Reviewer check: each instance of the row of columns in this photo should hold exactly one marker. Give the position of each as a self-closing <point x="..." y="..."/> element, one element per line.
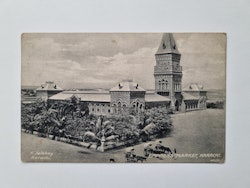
<point x="191" y="105"/>
<point x="177" y="87"/>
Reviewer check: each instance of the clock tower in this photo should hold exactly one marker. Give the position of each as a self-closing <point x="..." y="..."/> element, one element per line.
<point x="168" y="72"/>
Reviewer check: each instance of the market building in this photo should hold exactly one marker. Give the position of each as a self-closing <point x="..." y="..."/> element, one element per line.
<point x="194" y="97"/>
<point x="123" y="97"/>
<point x="45" y="91"/>
<point x="168" y="78"/>
<point x="168" y="72"/>
<point x="128" y="95"/>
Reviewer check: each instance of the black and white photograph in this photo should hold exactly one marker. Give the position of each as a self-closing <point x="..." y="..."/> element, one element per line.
<point x="124" y="94"/>
<point x="123" y="97"/>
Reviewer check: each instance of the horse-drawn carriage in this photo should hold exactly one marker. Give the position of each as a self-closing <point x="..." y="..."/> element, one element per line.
<point x="158" y="149"/>
<point x="131" y="157"/>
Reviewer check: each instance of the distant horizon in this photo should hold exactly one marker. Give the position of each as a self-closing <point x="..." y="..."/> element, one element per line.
<point x="205" y="89"/>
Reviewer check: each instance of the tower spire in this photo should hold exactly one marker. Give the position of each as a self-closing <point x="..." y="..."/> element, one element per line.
<point x="167" y="71"/>
<point x="167" y="45"/>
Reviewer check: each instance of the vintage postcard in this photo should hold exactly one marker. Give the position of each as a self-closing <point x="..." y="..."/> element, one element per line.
<point x="123" y="97"/>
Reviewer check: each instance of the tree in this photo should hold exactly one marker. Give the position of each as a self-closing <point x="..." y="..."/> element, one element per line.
<point x="159" y="120"/>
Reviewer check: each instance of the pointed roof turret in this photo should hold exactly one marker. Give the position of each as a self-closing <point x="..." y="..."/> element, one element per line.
<point x="49" y="86"/>
<point x="167" y="45"/>
<point x="127" y="85"/>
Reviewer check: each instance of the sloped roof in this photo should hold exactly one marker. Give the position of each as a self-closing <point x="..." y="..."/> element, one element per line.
<point x="49" y="86"/>
<point x="103" y="96"/>
<point x="153" y="97"/>
<point x="167" y="45"/>
<point x="29" y="87"/>
<point x="194" y="87"/>
<point x="127" y="85"/>
<point x="84" y="96"/>
<point x="187" y="96"/>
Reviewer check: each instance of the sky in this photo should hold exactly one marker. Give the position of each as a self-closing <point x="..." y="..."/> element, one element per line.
<point x="98" y="60"/>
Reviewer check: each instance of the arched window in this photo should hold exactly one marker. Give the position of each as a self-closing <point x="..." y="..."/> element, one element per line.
<point x="163" y="85"/>
<point x="141" y="106"/>
<point x="124" y="108"/>
<point x="119" y="107"/>
<point x="137" y="104"/>
<point x="115" y="109"/>
<point x="134" y="107"/>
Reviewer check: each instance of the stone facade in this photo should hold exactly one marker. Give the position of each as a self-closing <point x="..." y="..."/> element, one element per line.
<point x="99" y="108"/>
<point x="127" y="95"/>
<point x="194" y="97"/>
<point x="168" y="72"/>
